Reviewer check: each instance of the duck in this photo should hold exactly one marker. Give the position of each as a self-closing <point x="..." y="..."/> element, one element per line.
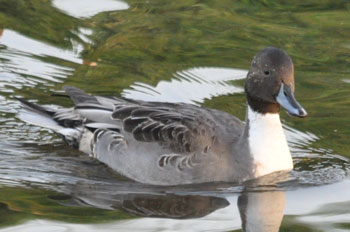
<point x="161" y="143"/>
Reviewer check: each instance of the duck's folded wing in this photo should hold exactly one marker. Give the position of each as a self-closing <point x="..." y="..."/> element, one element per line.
<point x="181" y="127"/>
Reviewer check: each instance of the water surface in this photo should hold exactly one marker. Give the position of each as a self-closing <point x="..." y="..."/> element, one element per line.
<point x="196" y="52"/>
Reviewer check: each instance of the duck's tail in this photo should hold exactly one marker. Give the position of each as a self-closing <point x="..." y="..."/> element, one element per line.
<point x="76" y="125"/>
<point x="59" y="118"/>
<point x="38" y="115"/>
<point x="45" y="117"/>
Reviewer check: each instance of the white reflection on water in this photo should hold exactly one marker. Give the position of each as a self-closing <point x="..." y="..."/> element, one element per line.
<point x="22" y="61"/>
<point x="17" y="42"/>
<point x="189" y="86"/>
<point x="326" y="206"/>
<point x="299" y="140"/>
<point x="24" y="64"/>
<point x="88" y="8"/>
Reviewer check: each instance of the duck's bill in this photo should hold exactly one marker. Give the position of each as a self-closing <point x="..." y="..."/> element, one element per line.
<point x="287" y="100"/>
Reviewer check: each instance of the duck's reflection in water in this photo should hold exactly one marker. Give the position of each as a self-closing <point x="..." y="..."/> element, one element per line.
<point x="172" y="206"/>
<point x="261" y="211"/>
<point x="141" y="202"/>
<point x="258" y="210"/>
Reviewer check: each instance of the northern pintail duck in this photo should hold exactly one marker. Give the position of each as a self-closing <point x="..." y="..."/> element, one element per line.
<point x="176" y="143"/>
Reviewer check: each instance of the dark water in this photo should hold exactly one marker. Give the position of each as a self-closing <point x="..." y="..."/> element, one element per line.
<point x="189" y="51"/>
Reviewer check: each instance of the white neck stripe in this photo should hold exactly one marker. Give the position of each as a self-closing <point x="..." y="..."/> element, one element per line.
<point x="267" y="143"/>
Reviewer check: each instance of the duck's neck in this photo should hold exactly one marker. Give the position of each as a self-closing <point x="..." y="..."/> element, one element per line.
<point x="267" y="143"/>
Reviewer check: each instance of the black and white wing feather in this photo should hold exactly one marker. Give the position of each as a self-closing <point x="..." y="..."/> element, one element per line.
<point x="169" y="124"/>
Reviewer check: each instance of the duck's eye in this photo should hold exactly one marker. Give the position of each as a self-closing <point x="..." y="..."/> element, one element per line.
<point x="267" y="72"/>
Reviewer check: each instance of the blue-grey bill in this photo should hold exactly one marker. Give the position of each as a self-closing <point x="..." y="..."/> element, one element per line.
<point x="287" y="100"/>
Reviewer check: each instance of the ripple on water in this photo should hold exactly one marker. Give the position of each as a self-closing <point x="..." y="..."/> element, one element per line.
<point x="320" y="169"/>
<point x="17" y="42"/>
<point x="23" y="62"/>
<point x="196" y="85"/>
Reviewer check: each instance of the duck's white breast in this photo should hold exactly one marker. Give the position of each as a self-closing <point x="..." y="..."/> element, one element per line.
<point x="267" y="143"/>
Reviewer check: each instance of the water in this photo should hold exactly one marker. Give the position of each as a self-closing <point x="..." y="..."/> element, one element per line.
<point x="182" y="51"/>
